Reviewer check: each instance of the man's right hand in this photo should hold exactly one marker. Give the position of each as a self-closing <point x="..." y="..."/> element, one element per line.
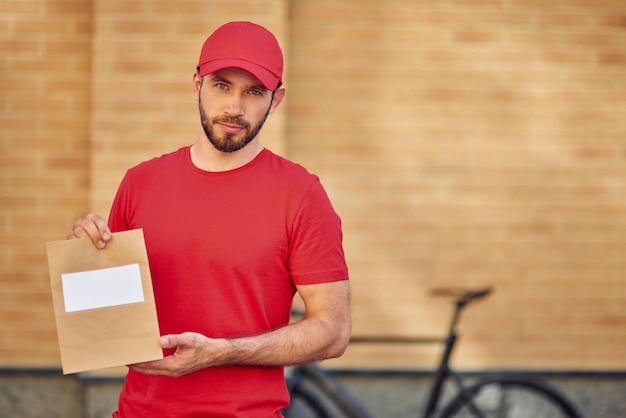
<point x="92" y="226"/>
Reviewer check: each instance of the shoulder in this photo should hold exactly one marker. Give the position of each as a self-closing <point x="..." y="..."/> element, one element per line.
<point x="157" y="164"/>
<point x="286" y="169"/>
<point x="283" y="177"/>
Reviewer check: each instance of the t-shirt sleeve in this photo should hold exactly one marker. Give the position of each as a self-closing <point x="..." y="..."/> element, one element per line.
<point x="316" y="252"/>
<point x="118" y="217"/>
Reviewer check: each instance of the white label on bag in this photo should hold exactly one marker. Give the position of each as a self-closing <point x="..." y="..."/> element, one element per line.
<point x="101" y="288"/>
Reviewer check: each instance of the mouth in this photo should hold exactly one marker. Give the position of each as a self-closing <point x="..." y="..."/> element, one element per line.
<point x="230" y="128"/>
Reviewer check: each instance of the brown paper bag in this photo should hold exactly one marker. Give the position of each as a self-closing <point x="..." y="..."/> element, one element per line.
<point x="110" y="330"/>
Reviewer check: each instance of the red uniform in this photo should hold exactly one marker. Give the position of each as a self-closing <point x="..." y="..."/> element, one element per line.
<point x="225" y="250"/>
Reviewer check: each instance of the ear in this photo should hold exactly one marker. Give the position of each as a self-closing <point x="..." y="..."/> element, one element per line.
<point x="196" y="82"/>
<point x="279" y="95"/>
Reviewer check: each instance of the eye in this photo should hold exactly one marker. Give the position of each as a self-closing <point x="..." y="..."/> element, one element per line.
<point x="221" y="86"/>
<point x="256" y="92"/>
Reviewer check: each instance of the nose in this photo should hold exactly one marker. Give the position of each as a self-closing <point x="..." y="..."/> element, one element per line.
<point x="234" y="106"/>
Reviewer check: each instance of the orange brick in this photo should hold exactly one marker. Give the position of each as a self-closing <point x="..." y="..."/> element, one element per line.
<point x="615" y="58"/>
<point x="19" y="47"/>
<point x="477" y="36"/>
<point x="613" y="20"/>
<point x="143" y="26"/>
<point x="37" y="26"/>
<point x="124" y="7"/>
<point x="67" y="7"/>
<point x="66" y="46"/>
<point x="20" y="7"/>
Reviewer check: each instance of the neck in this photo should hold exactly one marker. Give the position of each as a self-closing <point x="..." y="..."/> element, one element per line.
<point x="207" y="158"/>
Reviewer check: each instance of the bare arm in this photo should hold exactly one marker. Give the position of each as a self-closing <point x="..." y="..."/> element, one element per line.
<point x="323" y="333"/>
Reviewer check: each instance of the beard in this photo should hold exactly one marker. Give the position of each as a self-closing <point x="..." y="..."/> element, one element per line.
<point x="228" y="142"/>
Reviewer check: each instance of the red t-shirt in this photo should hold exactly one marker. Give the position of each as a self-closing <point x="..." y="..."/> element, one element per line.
<point x="225" y="250"/>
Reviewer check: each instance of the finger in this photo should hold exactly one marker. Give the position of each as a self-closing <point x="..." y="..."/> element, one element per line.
<point x="94" y="227"/>
<point x="144" y="368"/>
<point x="102" y="226"/>
<point x="158" y="367"/>
<point x="73" y="233"/>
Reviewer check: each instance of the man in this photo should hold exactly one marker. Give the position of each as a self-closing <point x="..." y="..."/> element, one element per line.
<point x="232" y="232"/>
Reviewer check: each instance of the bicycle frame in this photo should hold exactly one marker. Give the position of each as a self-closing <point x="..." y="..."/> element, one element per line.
<point x="443" y="371"/>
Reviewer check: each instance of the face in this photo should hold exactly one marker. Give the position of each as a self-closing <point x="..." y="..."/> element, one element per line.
<point x="233" y="107"/>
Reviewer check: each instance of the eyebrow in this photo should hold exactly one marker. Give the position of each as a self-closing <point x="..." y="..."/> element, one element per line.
<point x="216" y="77"/>
<point x="219" y="78"/>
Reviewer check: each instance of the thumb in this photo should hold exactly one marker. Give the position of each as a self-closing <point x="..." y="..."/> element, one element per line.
<point x="168" y="341"/>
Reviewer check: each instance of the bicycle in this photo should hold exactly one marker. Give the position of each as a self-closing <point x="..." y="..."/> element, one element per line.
<point x="316" y="393"/>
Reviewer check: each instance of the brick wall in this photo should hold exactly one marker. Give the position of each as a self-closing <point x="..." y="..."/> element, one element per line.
<point x="44" y="125"/>
<point x="473" y="143"/>
<point x="464" y="143"/>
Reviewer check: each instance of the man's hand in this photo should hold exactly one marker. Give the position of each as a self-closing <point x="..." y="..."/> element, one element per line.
<point x="92" y="226"/>
<point x="193" y="353"/>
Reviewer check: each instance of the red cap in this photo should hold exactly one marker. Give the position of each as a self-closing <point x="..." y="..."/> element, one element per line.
<point x="243" y="45"/>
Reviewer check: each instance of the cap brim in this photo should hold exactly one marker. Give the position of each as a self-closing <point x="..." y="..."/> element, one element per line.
<point x="266" y="77"/>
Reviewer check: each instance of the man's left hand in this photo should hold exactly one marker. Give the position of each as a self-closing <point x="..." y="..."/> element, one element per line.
<point x="191" y="355"/>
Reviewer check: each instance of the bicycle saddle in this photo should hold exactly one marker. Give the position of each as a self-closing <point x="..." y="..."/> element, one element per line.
<point x="460" y="295"/>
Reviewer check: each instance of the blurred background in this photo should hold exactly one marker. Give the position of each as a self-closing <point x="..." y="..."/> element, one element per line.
<point x="463" y="142"/>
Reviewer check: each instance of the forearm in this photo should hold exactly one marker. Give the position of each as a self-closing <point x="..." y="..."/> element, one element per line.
<point x="322" y="334"/>
<point x="311" y="339"/>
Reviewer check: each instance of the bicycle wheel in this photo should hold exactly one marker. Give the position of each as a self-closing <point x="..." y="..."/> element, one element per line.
<point x="305" y="403"/>
<point x="344" y="403"/>
<point x="317" y="393"/>
<point x="510" y="397"/>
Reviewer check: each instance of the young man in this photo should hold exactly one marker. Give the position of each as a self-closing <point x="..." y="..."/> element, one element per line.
<point x="232" y="232"/>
